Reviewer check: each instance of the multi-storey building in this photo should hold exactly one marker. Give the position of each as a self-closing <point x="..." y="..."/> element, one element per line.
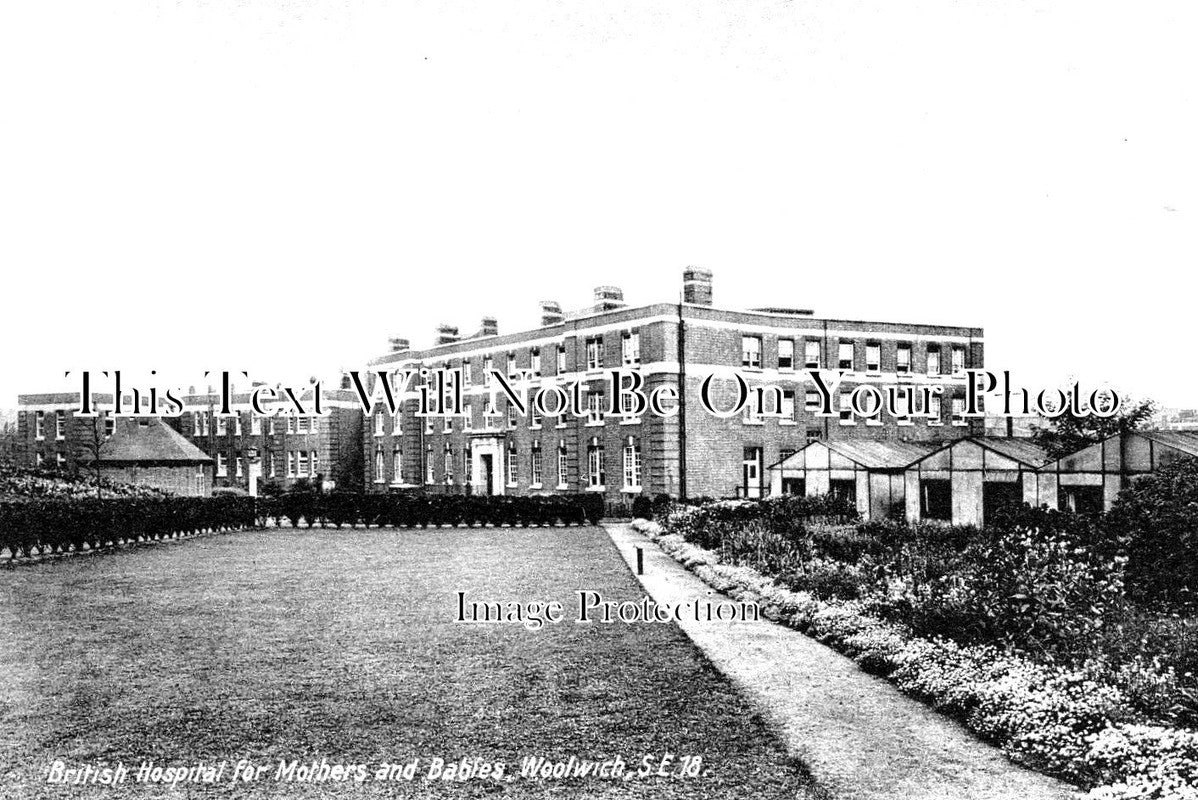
<point x="247" y="450"/>
<point x="692" y="452"/>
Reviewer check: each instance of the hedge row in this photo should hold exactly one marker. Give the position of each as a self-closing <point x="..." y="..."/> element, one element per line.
<point x="423" y="510"/>
<point x="59" y="526"/>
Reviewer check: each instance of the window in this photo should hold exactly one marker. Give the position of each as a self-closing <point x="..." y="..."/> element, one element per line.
<point x="536" y="466"/>
<point x="488" y="366"/>
<point x="301" y="424"/>
<point x="512" y="417"/>
<point x="534" y="361"/>
<point x="596" y="476"/>
<point x="467" y="378"/>
<point x="60" y="460"/>
<point x="270" y="465"/>
<point x="535" y="420"/>
<point x="561" y="359"/>
<point x="195" y="423"/>
<point x="632" y="466"/>
<point x="873" y="357"/>
<point x="846" y="407"/>
<point x="428" y="464"/>
<point x="397" y="465"/>
<point x="753" y="411"/>
<point x="222" y="426"/>
<point x="563" y="466"/>
<point x="631" y="348"/>
<point x="428" y="424"/>
<point x="933" y="359"/>
<point x="448" y="426"/>
<point x="237" y="425"/>
<point x="594" y="408"/>
<point x="845" y="357"/>
<point x="788" y="405"/>
<point x="303" y="464"/>
<point x="812" y="400"/>
<point x="934" y="412"/>
<point x="902" y="359"/>
<point x="314" y="424"/>
<point x="750" y="347"/>
<point x="786" y="354"/>
<point x="222" y="465"/>
<point x="511" y="366"/>
<point x="315" y="462"/>
<point x="291" y="461"/>
<point x="270" y="426"/>
<point x="397" y="424"/>
<point x="255" y="424"/>
<point x="379" y="467"/>
<point x="814" y="435"/>
<point x="513" y="468"/>
<point x="40" y="458"/>
<point x="843" y="489"/>
<point x="378" y="424"/>
<point x="958" y="410"/>
<point x="467" y="466"/>
<point x="936" y="499"/>
<point x="448" y="465"/>
<point x="60" y="425"/>
<point x="109" y="426"/>
<point x="958" y="360"/>
<point x="595" y="353"/>
<point x="468" y="417"/>
<point x="811" y="354"/>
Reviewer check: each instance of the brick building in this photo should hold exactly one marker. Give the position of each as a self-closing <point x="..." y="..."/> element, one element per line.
<point x="249" y="451"/>
<point x="693" y="453"/>
<point x="246" y="450"/>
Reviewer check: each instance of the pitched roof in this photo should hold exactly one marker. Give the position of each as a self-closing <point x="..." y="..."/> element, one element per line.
<point x="1185" y="441"/>
<point x="875" y="453"/>
<point x="1024" y="451"/>
<point x="149" y="441"/>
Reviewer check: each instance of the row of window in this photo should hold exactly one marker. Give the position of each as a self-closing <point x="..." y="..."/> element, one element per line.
<point x="787" y="410"/>
<point x="60" y="425"/>
<point x="596" y="477"/>
<point x="595" y="359"/>
<point x="293" y="424"/>
<point x="813" y="356"/>
<point x="298" y="464"/>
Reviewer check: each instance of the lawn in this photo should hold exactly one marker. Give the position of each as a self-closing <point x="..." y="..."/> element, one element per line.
<point x="341" y="645"/>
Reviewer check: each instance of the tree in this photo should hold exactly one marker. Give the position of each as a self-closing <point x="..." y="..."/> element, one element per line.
<point x="95" y="438"/>
<point x="1070" y="432"/>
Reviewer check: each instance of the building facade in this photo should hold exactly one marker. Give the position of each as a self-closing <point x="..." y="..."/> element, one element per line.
<point x="247" y="451"/>
<point x="681" y="345"/>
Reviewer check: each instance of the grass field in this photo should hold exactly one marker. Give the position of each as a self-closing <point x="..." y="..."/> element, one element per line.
<point x="341" y="645"/>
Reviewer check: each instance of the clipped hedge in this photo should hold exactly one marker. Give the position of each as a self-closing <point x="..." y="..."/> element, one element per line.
<point x="60" y="526"/>
<point x="338" y="509"/>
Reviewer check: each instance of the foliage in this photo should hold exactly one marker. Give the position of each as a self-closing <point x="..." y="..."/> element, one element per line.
<point x="1069" y="432"/>
<point x="430" y="510"/>
<point x="48" y="484"/>
<point x="1157" y="518"/>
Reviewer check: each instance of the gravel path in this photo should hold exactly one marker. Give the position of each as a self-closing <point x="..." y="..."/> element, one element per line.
<point x="860" y="736"/>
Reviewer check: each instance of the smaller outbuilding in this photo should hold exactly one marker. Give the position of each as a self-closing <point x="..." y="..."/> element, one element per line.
<point x="965" y="481"/>
<point x="148" y="452"/>
<point x="867" y="472"/>
<point x="1090" y="479"/>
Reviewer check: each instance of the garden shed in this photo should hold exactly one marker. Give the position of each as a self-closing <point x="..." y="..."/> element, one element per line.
<point x="1090" y="479"/>
<point x="867" y="472"/>
<point x="965" y="481"/>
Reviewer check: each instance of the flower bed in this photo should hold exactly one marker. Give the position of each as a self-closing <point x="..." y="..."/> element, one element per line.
<point x="1059" y="721"/>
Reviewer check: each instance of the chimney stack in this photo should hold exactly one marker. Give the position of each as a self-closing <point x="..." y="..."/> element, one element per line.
<point x="696" y="286"/>
<point x="447" y="334"/>
<point x="399" y="345"/>
<point x="608" y="298"/>
<point x="551" y="313"/>
<point x="490" y="327"/>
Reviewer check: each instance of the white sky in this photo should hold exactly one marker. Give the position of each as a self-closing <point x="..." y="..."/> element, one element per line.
<point x="280" y="185"/>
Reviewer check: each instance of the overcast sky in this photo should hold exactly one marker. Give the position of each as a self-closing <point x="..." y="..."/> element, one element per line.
<point x="281" y="185"/>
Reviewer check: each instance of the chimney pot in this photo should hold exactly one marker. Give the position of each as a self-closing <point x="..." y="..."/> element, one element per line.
<point x="696" y="286"/>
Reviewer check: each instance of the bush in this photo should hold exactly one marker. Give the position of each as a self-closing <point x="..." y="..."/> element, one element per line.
<point x="1156" y="518"/>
